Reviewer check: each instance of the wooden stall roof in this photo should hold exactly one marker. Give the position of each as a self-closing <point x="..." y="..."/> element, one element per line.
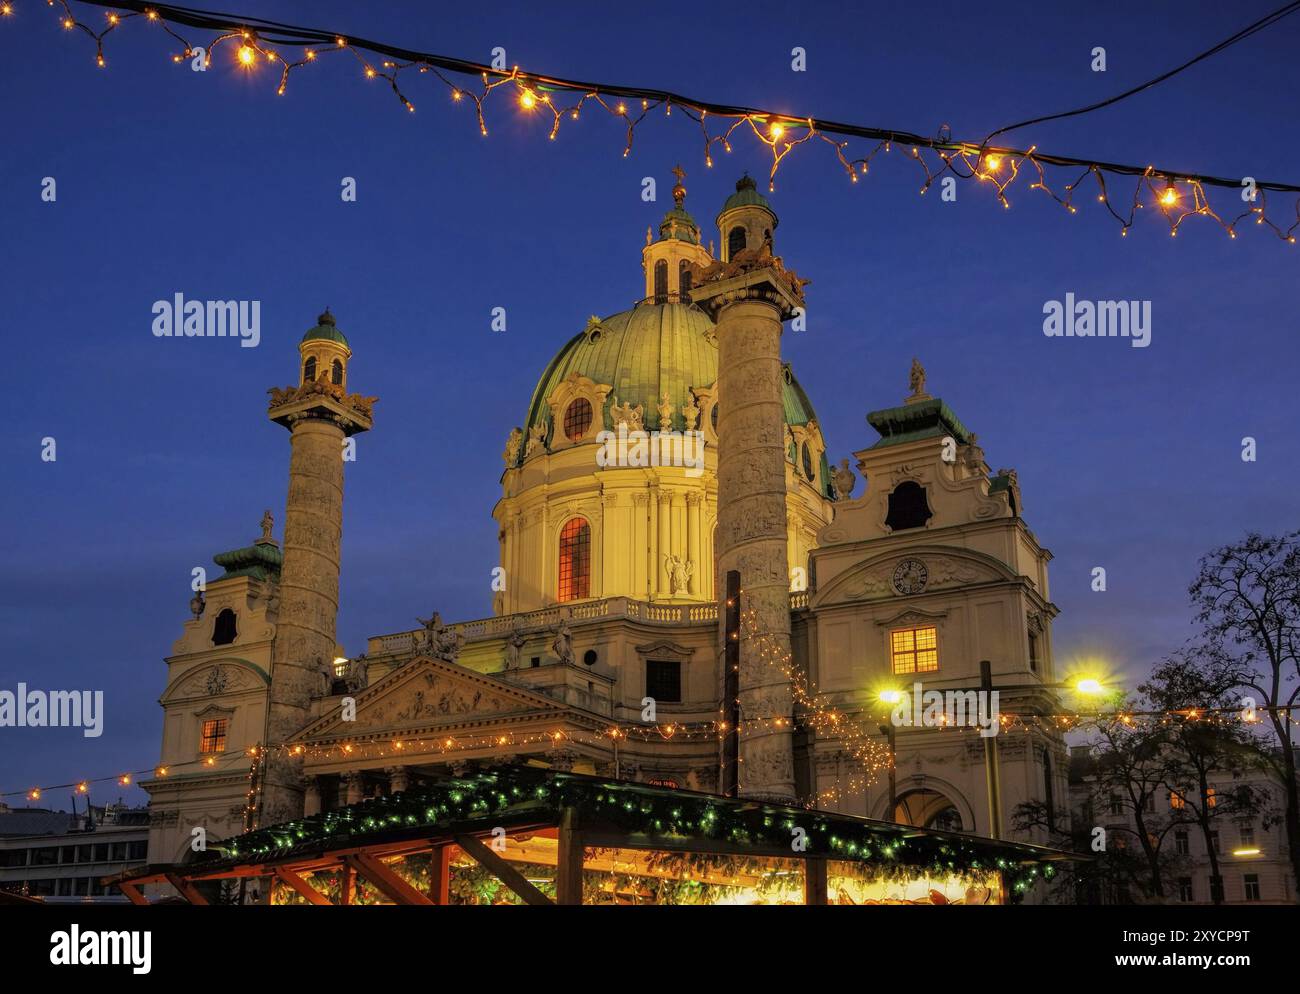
<point x="611" y="813"/>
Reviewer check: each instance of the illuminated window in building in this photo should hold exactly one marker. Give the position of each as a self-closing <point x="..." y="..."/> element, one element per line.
<point x="684" y="280"/>
<point x="908" y="507"/>
<point x="575" y="560"/>
<point x="661" y="282"/>
<point x="309" y="370"/>
<point x="1211" y="799"/>
<point x="223" y="628"/>
<point x="663" y="680"/>
<point x="336" y="373"/>
<point x="915" y="650"/>
<point x="735" y="242"/>
<point x="577" y="419"/>
<point x="213" y="736"/>
<point x="1176" y="800"/>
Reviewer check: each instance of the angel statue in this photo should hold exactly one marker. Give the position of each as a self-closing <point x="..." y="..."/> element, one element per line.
<point x="513" y="444"/>
<point x="665" y="413"/>
<point x="680" y="572"/>
<point x="626" y="414"/>
<point x="562" y="644"/>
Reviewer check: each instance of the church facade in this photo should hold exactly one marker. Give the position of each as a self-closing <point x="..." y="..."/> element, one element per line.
<point x="685" y="582"/>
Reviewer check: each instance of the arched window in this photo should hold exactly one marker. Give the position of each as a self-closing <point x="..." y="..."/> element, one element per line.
<point x="223" y="629"/>
<point x="713" y="417"/>
<point x="577" y="419"/>
<point x="908" y="507"/>
<point x="661" y="281"/>
<point x="336" y="373"/>
<point x="684" y="280"/>
<point x="309" y="370"/>
<point x="735" y="242"/>
<point x="575" y="560"/>
<point x="807" y="461"/>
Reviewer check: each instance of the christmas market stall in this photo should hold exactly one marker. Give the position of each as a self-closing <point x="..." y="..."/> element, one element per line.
<point x="524" y="835"/>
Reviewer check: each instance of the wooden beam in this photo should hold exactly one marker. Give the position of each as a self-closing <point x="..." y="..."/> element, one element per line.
<point x="503" y="871"/>
<point x="304" y="889"/>
<point x="440" y="875"/>
<point x="814" y="881"/>
<point x="568" y="870"/>
<point x="186" y="889"/>
<point x="347" y="884"/>
<point x="389" y="883"/>
<point x="132" y="894"/>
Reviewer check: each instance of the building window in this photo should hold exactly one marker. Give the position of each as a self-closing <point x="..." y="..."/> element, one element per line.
<point x="213" y="736"/>
<point x="1211" y="799"/>
<point x="1149" y="803"/>
<point x="1216" y="889"/>
<point x="1247" y="835"/>
<point x="1251" y="880"/>
<point x="807" y="461"/>
<point x="309" y="370"/>
<point x="223" y="629"/>
<point x="735" y="242"/>
<point x="684" y="280"/>
<point x="336" y="373"/>
<point x="713" y="417"/>
<point x="1214" y="841"/>
<point x="1033" y="651"/>
<point x="575" y="560"/>
<point x="1185" y="890"/>
<point x="663" y="680"/>
<point x="1180" y="844"/>
<point x="914" y="650"/>
<point x="1177" y="801"/>
<point x="1116" y="805"/>
<point x="908" y="507"/>
<point x="661" y="282"/>
<point x="577" y="419"/>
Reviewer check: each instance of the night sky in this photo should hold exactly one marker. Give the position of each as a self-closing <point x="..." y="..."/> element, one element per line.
<point x="208" y="184"/>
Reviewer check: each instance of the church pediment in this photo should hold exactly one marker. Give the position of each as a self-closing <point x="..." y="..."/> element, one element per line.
<point x="429" y="694"/>
<point x="914" y="571"/>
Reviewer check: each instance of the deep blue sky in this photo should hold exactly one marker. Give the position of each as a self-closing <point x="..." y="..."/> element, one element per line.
<point x="210" y="185"/>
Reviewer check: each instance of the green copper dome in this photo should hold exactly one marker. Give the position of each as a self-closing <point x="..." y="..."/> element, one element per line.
<point x="646" y="352"/>
<point x="326" y="330"/>
<point x="746" y="195"/>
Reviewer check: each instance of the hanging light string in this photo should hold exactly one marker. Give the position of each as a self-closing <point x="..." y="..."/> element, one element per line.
<point x="1175" y="195"/>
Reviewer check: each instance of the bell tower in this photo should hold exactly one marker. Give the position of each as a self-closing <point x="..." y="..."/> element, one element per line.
<point x="320" y="415"/>
<point x="750" y="294"/>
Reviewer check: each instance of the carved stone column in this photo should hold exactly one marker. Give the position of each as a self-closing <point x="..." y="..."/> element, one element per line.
<point x="752" y="539"/>
<point x="311" y="797"/>
<point x="355" y="785"/>
<point x="665" y="541"/>
<point x="693" y="501"/>
<point x="399" y="779"/>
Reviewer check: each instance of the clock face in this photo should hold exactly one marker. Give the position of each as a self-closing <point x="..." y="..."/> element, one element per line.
<point x="910" y="576"/>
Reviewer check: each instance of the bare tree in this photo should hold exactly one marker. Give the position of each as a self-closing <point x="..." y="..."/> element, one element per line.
<point x="1247" y="598"/>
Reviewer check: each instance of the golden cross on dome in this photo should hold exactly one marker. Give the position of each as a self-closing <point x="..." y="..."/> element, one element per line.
<point x="679" y="191"/>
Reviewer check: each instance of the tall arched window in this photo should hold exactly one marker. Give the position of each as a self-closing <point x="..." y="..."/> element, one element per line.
<point x="309" y="370"/>
<point x="661" y="281"/>
<point x="336" y="373"/>
<point x="684" y="280"/>
<point x="735" y="242"/>
<point x="575" y="560"/>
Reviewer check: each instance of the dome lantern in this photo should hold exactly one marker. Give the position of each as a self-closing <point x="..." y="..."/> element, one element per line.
<point x="325" y="352"/>
<point x="667" y="258"/>
<point x="746" y="220"/>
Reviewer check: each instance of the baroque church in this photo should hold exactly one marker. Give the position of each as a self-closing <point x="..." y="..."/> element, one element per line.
<point x="659" y="623"/>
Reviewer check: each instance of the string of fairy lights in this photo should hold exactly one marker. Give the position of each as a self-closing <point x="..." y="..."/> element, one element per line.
<point x="1174" y="195"/>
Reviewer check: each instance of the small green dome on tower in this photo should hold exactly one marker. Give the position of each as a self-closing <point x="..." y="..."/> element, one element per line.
<point x="326" y="330"/>
<point x="746" y="195"/>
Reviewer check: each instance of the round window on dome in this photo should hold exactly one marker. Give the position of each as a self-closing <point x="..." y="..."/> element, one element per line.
<point x="807" y="461"/>
<point x="577" y="419"/>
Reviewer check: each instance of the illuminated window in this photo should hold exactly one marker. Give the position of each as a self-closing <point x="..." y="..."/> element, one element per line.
<point x="1210" y="798"/>
<point x="915" y="650"/>
<point x="577" y="419"/>
<point x="1176" y="800"/>
<point x="575" y="560"/>
<point x="213" y="737"/>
